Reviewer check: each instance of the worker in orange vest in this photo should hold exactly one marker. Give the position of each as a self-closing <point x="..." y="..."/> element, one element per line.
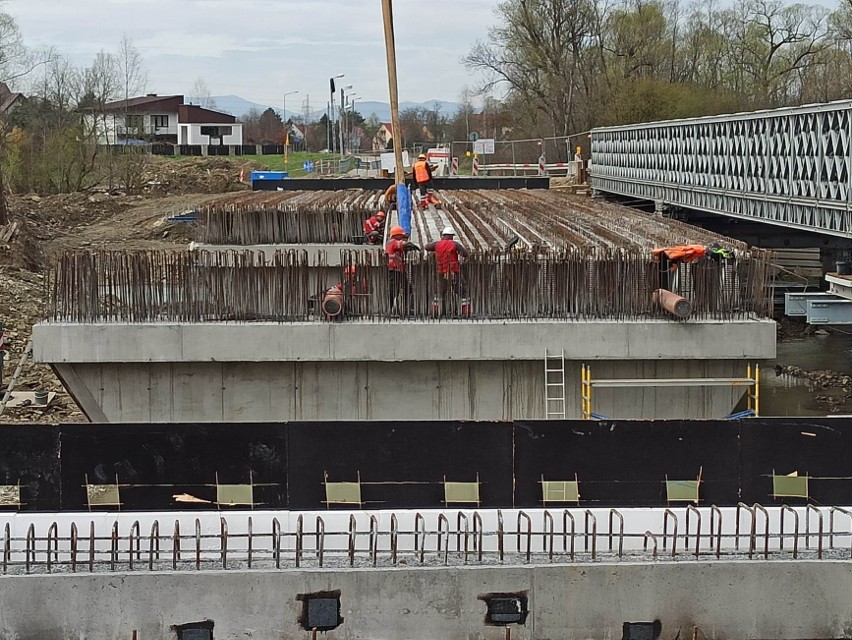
<point x="374" y="227"/>
<point x="396" y="249"/>
<point x="423" y="177"/>
<point x="447" y="252"/>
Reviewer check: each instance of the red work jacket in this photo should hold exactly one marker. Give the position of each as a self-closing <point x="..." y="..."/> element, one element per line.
<point x="396" y="255"/>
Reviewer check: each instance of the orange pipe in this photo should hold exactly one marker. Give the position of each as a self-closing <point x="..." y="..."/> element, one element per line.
<point x="332" y="302"/>
<point x="676" y="305"/>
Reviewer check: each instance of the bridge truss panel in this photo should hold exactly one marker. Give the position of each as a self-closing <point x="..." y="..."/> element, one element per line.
<point x="790" y="167"/>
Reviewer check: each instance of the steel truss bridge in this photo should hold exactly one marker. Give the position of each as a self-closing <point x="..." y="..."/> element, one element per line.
<point x="790" y="167"/>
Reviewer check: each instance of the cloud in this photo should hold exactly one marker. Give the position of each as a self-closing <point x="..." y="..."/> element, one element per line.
<point x="260" y="48"/>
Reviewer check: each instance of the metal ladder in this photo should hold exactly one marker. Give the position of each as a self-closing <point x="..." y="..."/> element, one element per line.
<point x="9" y="387"/>
<point x="554" y="385"/>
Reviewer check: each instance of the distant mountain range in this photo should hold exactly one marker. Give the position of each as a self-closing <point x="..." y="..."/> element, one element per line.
<point x="235" y="105"/>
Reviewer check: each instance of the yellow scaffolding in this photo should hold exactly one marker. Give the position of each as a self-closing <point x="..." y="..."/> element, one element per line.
<point x="752" y="380"/>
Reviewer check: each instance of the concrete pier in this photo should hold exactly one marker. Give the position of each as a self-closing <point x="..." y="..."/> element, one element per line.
<point x="449" y="370"/>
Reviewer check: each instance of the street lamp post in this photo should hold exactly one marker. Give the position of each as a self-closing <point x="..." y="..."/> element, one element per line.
<point x="352" y="124"/>
<point x="340" y="124"/>
<point x="331" y="110"/>
<point x="284" y="102"/>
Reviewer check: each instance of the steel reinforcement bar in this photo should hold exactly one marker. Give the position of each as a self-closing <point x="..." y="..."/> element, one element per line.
<point x="600" y="283"/>
<point x="384" y="539"/>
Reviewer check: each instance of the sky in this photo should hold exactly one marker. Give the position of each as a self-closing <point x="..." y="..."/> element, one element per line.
<point x="260" y="49"/>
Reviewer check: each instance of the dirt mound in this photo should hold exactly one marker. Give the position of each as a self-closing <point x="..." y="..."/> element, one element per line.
<point x="44" y="228"/>
<point x="21" y="306"/>
<point x="196" y="175"/>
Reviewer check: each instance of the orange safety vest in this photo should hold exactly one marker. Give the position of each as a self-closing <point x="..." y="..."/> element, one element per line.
<point x="421" y="171"/>
<point x="681" y="252"/>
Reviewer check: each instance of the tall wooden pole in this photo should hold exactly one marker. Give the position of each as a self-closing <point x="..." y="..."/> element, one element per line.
<point x="390" y="48"/>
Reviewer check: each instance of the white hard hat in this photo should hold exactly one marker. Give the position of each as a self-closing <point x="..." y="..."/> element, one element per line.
<point x="448" y="231"/>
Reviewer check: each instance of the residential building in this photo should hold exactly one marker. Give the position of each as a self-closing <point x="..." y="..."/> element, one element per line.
<point x="205" y="126"/>
<point x="383" y="137"/>
<point x="166" y="119"/>
<point x="9" y="100"/>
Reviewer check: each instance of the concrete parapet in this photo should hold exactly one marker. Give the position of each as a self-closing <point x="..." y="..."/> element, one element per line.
<point x="738" y="599"/>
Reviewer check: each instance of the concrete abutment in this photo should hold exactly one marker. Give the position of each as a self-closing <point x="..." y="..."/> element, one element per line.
<point x="392" y="371"/>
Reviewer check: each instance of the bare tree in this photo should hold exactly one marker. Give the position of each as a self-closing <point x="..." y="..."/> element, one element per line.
<point x="134" y="78"/>
<point x="16" y="62"/>
<point x="537" y="54"/>
<point x="200" y="94"/>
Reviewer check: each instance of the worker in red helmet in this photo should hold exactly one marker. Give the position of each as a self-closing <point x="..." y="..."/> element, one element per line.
<point x="396" y="249"/>
<point x="374" y="228"/>
<point x="447" y="252"/>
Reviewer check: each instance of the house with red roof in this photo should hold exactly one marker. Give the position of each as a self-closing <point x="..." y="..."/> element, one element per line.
<point x="383" y="137"/>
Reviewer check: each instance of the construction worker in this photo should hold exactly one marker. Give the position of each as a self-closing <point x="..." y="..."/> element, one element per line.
<point x="423" y="177"/>
<point x="390" y="197"/>
<point x="447" y="252"/>
<point x="374" y="227"/>
<point x="396" y="249"/>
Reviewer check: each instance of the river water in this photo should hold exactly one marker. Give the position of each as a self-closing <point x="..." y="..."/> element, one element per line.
<point x="788" y="396"/>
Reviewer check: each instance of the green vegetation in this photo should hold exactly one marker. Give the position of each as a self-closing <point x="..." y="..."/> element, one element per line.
<point x="294" y="163"/>
<point x="569" y="65"/>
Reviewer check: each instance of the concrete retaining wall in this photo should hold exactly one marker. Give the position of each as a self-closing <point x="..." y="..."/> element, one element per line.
<point x="745" y="599"/>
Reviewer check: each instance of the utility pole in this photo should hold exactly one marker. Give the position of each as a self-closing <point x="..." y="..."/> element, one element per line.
<point x="342" y="114"/>
<point x="331" y="110"/>
<point x="390" y="48"/>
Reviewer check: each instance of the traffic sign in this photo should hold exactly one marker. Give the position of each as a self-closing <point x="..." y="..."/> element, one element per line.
<point x="474" y="136"/>
<point x="484" y="147"/>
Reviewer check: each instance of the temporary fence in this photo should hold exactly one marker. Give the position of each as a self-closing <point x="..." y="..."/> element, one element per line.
<point x="521" y="157"/>
<point x="465" y="537"/>
<point x="569" y="284"/>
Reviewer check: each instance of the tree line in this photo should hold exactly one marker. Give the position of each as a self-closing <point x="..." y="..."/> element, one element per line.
<point x="565" y="66"/>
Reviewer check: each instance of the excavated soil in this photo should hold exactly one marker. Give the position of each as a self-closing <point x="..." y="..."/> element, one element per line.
<point x="50" y="225"/>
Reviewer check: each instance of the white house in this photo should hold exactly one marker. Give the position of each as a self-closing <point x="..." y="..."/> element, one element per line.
<point x="197" y="125"/>
<point x="167" y="119"/>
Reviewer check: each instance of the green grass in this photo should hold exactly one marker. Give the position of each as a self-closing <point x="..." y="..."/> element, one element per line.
<point x="294" y="161"/>
<point x="276" y="162"/>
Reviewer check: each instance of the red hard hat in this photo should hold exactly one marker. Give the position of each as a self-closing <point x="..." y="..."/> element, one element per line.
<point x="380" y="214"/>
<point x="398" y="231"/>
